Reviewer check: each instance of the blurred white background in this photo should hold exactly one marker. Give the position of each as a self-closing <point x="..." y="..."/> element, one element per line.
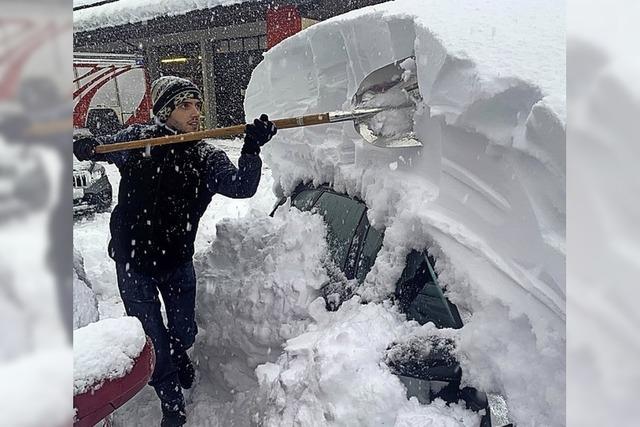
<point x="603" y="263"/>
<point x="35" y="212"/>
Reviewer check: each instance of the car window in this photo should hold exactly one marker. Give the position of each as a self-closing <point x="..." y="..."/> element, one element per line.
<point x="342" y="216"/>
<point x="420" y="295"/>
<point x="305" y="199"/>
<point x="370" y="249"/>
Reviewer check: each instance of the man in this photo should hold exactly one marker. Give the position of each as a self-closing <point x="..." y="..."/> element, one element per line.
<point x="161" y="199"/>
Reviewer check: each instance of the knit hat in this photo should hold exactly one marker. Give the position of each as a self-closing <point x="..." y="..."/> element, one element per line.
<point x="167" y="92"/>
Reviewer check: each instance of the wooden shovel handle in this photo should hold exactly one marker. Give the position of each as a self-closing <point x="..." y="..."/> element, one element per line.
<point x="291" y="122"/>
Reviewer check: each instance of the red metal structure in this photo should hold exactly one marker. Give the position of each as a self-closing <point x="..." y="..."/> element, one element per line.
<point x="116" y="81"/>
<point x="21" y="38"/>
<point x="282" y="22"/>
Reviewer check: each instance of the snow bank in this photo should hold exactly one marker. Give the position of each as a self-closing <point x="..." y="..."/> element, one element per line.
<point x="333" y="375"/>
<point x="131" y="11"/>
<point x="85" y="303"/>
<point x="105" y="350"/>
<point x="486" y="192"/>
<point x="255" y="284"/>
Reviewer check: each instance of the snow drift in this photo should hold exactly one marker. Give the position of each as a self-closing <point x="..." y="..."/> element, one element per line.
<point x="255" y="285"/>
<point x="485" y="193"/>
<point x="85" y="303"/>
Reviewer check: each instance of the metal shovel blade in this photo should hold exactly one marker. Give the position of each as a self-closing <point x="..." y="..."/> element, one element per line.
<point x="395" y="88"/>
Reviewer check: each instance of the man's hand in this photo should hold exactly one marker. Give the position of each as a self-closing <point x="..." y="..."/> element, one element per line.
<point x="85" y="148"/>
<point x="258" y="134"/>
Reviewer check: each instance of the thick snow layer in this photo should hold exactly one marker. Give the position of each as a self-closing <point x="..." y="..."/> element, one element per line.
<point x="85" y="303"/>
<point x="105" y="350"/>
<point x="130" y="11"/>
<point x="333" y="375"/>
<point x="255" y="285"/>
<point x="486" y="192"/>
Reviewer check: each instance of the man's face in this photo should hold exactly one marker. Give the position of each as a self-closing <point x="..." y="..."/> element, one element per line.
<point x="186" y="116"/>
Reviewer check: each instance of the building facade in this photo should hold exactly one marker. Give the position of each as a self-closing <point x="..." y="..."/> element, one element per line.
<point x="217" y="47"/>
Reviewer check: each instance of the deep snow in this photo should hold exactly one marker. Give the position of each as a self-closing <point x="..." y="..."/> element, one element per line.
<point x="485" y="195"/>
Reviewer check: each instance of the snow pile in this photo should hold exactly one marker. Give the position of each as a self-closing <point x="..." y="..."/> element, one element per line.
<point x="333" y="375"/>
<point x="255" y="285"/>
<point x="85" y="303"/>
<point x="105" y="350"/>
<point x="131" y="11"/>
<point x="485" y="193"/>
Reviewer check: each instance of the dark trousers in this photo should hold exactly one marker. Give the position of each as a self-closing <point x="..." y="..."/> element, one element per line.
<point x="139" y="293"/>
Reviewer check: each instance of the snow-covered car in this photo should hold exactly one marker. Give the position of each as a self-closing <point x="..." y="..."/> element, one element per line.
<point x="354" y="244"/>
<point x="92" y="191"/>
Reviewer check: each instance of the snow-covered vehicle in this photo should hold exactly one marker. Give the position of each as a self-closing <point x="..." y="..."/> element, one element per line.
<point x="92" y="191"/>
<point x="354" y="244"/>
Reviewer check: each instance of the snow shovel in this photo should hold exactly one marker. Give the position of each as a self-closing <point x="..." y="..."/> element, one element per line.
<point x="385" y="102"/>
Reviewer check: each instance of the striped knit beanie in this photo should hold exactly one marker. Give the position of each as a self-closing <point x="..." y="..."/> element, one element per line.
<point x="167" y="92"/>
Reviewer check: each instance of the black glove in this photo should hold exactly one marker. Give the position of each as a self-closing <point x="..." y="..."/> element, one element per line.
<point x="258" y="134"/>
<point x="85" y="148"/>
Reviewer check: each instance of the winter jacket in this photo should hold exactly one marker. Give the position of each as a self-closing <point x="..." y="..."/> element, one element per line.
<point x="162" y="198"/>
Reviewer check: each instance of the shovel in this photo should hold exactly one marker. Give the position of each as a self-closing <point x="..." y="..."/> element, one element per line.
<point x="385" y="101"/>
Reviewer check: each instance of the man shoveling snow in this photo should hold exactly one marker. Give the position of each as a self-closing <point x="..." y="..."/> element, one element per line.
<point x="161" y="199"/>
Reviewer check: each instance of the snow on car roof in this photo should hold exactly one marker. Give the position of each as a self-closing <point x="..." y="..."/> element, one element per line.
<point x="123" y="12"/>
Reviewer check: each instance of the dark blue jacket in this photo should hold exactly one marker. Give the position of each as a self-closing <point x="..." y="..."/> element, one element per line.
<point x="162" y="198"/>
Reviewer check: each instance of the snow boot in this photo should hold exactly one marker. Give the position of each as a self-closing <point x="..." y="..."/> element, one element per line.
<point x="173" y="418"/>
<point x="186" y="371"/>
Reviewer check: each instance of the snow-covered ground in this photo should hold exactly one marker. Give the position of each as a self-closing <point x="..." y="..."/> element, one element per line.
<point x="485" y="195"/>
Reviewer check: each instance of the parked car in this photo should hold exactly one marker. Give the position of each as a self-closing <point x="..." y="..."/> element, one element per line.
<point x="92" y="191"/>
<point x="354" y="244"/>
